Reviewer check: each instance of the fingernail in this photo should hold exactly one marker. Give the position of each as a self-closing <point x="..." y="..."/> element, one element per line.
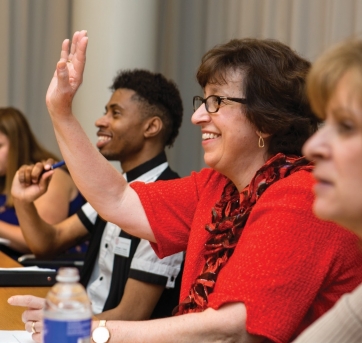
<point x="61" y="65"/>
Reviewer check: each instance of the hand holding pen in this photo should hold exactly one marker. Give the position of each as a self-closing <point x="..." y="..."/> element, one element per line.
<point x="29" y="183"/>
<point x="54" y="166"/>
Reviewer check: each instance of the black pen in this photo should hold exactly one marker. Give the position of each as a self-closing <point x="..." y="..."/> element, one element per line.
<point x="54" y="166"/>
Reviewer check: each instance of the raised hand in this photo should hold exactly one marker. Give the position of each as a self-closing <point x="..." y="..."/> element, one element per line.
<point x="29" y="183"/>
<point x="68" y="75"/>
<point x="33" y="315"/>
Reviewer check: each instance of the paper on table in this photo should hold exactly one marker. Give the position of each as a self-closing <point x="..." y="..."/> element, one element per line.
<point x="30" y="268"/>
<point x="15" y="336"/>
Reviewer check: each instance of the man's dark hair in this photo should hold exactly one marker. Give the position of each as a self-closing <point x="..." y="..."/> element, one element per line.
<point x="161" y="98"/>
<point x="274" y="78"/>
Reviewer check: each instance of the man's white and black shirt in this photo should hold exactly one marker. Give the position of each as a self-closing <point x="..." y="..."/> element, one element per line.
<point x="113" y="255"/>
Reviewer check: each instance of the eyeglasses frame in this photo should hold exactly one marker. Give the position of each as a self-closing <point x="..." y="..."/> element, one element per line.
<point x="219" y="99"/>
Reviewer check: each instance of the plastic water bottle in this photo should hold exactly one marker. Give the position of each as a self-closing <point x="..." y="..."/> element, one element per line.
<point x="67" y="312"/>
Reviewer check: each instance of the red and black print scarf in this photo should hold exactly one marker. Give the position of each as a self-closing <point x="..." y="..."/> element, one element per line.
<point x="228" y="220"/>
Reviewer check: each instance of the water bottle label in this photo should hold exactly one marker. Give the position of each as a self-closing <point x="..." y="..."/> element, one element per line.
<point x="73" y="331"/>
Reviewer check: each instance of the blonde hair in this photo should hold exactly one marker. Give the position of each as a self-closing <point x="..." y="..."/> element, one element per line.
<point x="329" y="68"/>
<point x="23" y="148"/>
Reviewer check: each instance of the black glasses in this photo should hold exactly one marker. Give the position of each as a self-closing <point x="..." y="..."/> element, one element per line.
<point x="212" y="102"/>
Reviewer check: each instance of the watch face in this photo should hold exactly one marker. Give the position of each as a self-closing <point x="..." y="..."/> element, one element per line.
<point x="101" y="334"/>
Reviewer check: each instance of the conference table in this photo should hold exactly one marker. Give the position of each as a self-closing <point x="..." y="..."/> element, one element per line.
<point x="11" y="315"/>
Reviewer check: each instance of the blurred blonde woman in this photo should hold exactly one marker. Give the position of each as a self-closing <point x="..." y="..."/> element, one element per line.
<point x="18" y="146"/>
<point x="335" y="91"/>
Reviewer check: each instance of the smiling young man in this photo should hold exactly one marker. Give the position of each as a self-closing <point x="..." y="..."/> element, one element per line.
<point x="123" y="276"/>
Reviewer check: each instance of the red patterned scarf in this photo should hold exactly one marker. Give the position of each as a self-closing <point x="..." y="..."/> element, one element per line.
<point x="228" y="220"/>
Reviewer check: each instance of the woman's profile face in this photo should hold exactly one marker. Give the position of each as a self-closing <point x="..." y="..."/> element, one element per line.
<point x="229" y="140"/>
<point x="4" y="151"/>
<point x="336" y="149"/>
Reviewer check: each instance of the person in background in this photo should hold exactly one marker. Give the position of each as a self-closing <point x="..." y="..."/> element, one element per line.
<point x="123" y="276"/>
<point x="259" y="267"/>
<point x="335" y="92"/>
<point x="18" y="146"/>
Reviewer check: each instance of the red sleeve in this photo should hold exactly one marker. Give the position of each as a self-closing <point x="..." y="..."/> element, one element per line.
<point x="285" y="262"/>
<point x="170" y="207"/>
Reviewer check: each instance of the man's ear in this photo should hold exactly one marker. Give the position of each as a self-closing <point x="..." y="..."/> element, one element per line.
<point x="152" y="126"/>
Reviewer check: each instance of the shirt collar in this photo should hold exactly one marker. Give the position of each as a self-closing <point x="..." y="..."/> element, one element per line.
<point x="145" y="167"/>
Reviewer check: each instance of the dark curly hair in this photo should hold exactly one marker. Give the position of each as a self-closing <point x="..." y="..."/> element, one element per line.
<point x="274" y="78"/>
<point x="161" y="98"/>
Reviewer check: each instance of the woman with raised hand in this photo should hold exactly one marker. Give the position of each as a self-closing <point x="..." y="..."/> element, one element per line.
<point x="335" y="92"/>
<point x="18" y="146"/>
<point x="260" y="267"/>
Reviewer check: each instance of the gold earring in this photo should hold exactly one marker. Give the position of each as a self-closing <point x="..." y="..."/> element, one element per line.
<point x="261" y="141"/>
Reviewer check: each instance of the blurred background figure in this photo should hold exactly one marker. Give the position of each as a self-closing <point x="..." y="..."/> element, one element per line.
<point x="18" y="146"/>
<point x="335" y="92"/>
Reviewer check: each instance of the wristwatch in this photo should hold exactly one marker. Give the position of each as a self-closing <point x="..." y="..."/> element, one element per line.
<point x="101" y="334"/>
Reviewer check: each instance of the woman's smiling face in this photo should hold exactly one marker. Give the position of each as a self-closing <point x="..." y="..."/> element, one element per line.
<point x="336" y="149"/>
<point x="229" y="140"/>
